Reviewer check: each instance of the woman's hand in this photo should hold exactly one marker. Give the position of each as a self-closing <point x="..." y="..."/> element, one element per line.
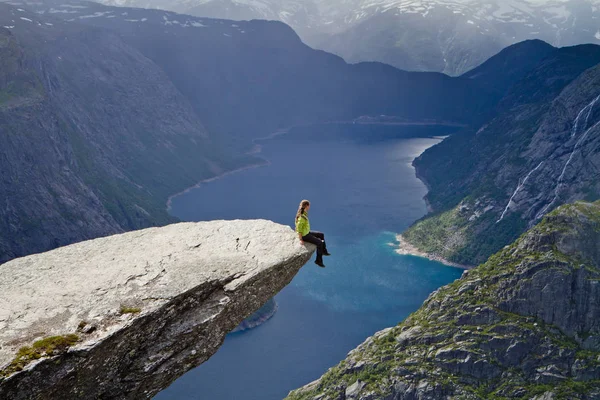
<point x="301" y="242"/>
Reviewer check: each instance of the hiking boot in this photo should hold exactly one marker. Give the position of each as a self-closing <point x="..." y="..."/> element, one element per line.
<point x="326" y="253"/>
<point x="320" y="264"/>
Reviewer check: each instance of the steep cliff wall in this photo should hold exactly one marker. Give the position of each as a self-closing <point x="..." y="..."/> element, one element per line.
<point x="122" y="317"/>
<point x="488" y="186"/>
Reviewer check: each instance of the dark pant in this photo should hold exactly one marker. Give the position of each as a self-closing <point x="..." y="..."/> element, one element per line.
<point x="318" y="239"/>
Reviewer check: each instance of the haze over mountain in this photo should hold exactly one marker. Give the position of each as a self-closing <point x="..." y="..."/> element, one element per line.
<point x="137" y="105"/>
<point x="229" y="83"/>
<point x="424" y="35"/>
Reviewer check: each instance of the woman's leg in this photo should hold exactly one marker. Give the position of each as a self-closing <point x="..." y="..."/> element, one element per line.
<point x="310" y="238"/>
<point x="321" y="236"/>
<point x="318" y="234"/>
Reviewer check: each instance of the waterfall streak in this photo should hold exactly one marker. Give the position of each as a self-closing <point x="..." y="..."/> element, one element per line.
<point x="590" y="111"/>
<point x="519" y="187"/>
<point x="587" y="108"/>
<point x="562" y="174"/>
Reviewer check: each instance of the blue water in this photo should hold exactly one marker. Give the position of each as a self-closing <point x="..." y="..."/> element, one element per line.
<point x="363" y="190"/>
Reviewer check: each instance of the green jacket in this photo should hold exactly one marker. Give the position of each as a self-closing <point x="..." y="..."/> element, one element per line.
<point x="302" y="225"/>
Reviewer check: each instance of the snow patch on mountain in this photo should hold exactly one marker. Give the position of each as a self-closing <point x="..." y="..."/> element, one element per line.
<point x="453" y="36"/>
<point x="335" y="16"/>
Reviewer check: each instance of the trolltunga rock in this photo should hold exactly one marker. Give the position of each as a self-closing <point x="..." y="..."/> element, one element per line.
<point x="145" y="306"/>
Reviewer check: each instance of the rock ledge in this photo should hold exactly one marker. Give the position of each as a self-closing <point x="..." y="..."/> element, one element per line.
<point x="146" y="306"/>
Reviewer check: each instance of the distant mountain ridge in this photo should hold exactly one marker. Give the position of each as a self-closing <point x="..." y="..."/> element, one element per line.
<point x="292" y="12"/>
<point x="450" y="36"/>
<point x="456" y="36"/>
<point x="252" y="61"/>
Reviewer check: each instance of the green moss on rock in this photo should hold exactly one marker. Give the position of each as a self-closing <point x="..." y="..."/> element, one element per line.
<point x="47" y="347"/>
<point x="129" y="310"/>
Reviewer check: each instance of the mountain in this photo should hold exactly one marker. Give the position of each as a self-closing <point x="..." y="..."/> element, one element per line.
<point x="300" y="13"/>
<point x="93" y="135"/>
<point x="456" y="36"/>
<point x="488" y="185"/>
<point x="450" y="36"/>
<point x="128" y="90"/>
<point x="107" y="111"/>
<point x="522" y="325"/>
<point x="510" y="65"/>
<point x="260" y="77"/>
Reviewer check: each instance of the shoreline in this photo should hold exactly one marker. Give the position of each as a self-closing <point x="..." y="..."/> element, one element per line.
<point x="214" y="178"/>
<point x="254" y="150"/>
<point x="419" y="177"/>
<point x="406" y="249"/>
<point x="257" y="148"/>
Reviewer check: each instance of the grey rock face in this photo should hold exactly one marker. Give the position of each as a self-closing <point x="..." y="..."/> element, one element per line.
<point x="522" y="325"/>
<point x="147" y="305"/>
<point x="564" y="296"/>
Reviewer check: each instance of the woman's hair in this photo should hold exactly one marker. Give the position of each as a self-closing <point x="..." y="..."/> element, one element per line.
<point x="301" y="208"/>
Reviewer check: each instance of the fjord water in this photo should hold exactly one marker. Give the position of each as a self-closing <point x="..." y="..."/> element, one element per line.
<point x="363" y="189"/>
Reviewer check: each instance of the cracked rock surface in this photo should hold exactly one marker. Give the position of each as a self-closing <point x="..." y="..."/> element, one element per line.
<point x="146" y="306"/>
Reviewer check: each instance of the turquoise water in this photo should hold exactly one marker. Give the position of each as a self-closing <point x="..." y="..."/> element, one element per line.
<point x="363" y="190"/>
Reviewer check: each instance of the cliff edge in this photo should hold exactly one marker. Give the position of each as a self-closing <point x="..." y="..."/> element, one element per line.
<point x="121" y="317"/>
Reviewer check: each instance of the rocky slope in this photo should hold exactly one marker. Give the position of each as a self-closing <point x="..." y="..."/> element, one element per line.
<point x="489" y="185"/>
<point x="522" y="325"/>
<point x="93" y="135"/>
<point x="121" y="317"/>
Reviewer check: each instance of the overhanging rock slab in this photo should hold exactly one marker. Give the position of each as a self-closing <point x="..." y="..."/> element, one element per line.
<point x="146" y="306"/>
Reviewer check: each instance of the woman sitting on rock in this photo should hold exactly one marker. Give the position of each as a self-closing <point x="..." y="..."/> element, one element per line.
<point x="306" y="235"/>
